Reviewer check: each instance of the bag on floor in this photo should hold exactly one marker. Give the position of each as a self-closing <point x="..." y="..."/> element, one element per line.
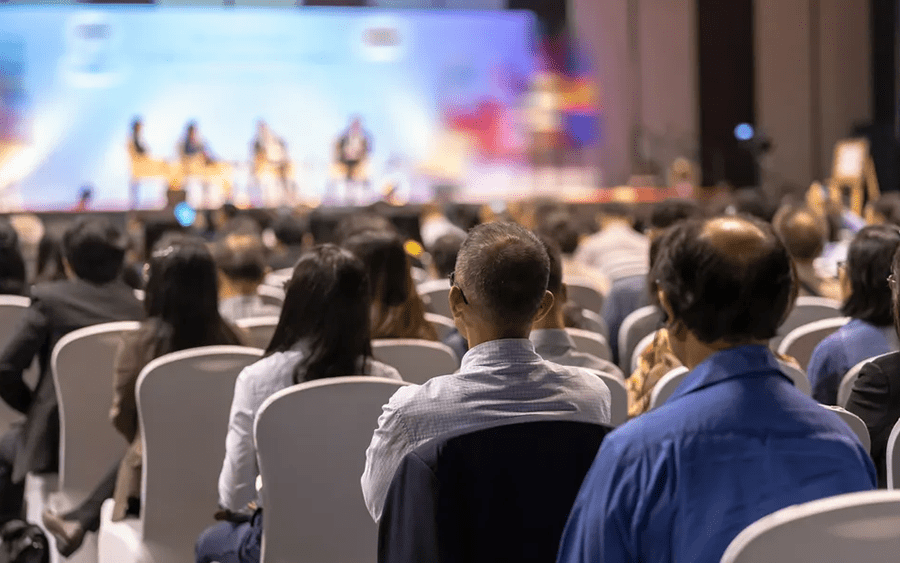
<point x="21" y="542"/>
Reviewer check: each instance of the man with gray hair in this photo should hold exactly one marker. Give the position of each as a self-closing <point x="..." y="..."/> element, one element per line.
<point x="499" y="291"/>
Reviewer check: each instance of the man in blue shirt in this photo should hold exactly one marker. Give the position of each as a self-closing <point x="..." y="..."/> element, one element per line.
<point x="736" y="441"/>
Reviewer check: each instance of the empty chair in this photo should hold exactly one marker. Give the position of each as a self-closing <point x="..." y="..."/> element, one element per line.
<point x="666" y="386"/>
<point x="442" y="325"/>
<point x="595" y="323"/>
<point x="634" y="328"/>
<point x="893" y="458"/>
<point x="271" y="295"/>
<point x="590" y="343"/>
<point x="259" y="330"/>
<point x="855" y="423"/>
<point x="436" y="296"/>
<point x="183" y="402"/>
<point x="618" y="409"/>
<point x="860" y="526"/>
<point x="495" y="494"/>
<point x="584" y="294"/>
<point x="806" y="310"/>
<point x="416" y="360"/>
<point x="848" y="381"/>
<point x="797" y="375"/>
<point x="800" y="342"/>
<point x="309" y="440"/>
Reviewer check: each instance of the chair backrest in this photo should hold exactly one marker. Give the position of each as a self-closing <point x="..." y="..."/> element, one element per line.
<point x="639" y="349"/>
<point x="595" y="323"/>
<point x="845" y="388"/>
<point x="416" y="360"/>
<point x="271" y="295"/>
<point x="259" y="330"/>
<point x="618" y="398"/>
<point x="495" y="494"/>
<point x="184" y="400"/>
<point x="855" y="423"/>
<point x="852" y="527"/>
<point x="667" y="385"/>
<point x="436" y="296"/>
<point x="585" y="294"/>
<point x="806" y="310"/>
<point x="310" y="440"/>
<point x="442" y="325"/>
<point x="800" y="342"/>
<point x="893" y="458"/>
<point x="591" y="343"/>
<point x="797" y="375"/>
<point x="12" y="309"/>
<point x="82" y="364"/>
<point x="634" y="328"/>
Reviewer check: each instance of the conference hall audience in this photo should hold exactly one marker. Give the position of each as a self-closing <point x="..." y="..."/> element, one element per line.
<point x="94" y="250"/>
<point x="618" y="251"/>
<point x="182" y="313"/>
<point x="549" y="336"/>
<point x="744" y="440"/>
<point x="241" y="259"/>
<point x="12" y="263"/>
<point x="290" y="242"/>
<point x="323" y="332"/>
<point x="876" y="393"/>
<point x="804" y="234"/>
<point x="443" y="254"/>
<point x="559" y="226"/>
<point x="867" y="301"/>
<point x="434" y="224"/>
<point x="397" y="309"/>
<point x="499" y="291"/>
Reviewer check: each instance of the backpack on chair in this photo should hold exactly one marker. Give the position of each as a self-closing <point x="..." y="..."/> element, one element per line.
<point x="21" y="542"/>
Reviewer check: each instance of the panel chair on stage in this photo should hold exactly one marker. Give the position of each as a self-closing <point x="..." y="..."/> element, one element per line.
<point x="142" y="165"/>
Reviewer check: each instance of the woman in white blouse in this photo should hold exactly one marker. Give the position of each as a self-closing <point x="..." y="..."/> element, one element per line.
<point x="323" y="331"/>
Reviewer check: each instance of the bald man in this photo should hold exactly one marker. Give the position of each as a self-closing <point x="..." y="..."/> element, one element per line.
<point x="736" y="440"/>
<point x="804" y="235"/>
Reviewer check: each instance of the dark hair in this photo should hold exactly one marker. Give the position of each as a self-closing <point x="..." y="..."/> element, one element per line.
<point x="869" y="260"/>
<point x="504" y="268"/>
<point x="360" y="223"/>
<point x="444" y="252"/>
<point x="560" y="226"/>
<point x="752" y="202"/>
<point x="895" y="292"/>
<point x="386" y="263"/>
<point x="721" y="293"/>
<point x="555" y="279"/>
<point x="50" y="266"/>
<point x="888" y="206"/>
<point x="616" y="209"/>
<point x="12" y="264"/>
<point x="670" y="211"/>
<point x="241" y="257"/>
<point x="289" y="230"/>
<point x="182" y="298"/>
<point x="95" y="249"/>
<point x="155" y="228"/>
<point x="326" y="304"/>
<point x="802" y="232"/>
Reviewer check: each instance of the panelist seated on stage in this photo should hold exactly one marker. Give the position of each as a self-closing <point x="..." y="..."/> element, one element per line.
<point x="143" y="165"/>
<point x="352" y="153"/>
<point x="270" y="153"/>
<point x="198" y="160"/>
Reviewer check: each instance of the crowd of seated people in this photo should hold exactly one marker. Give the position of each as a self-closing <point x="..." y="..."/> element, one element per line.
<point x="723" y="283"/>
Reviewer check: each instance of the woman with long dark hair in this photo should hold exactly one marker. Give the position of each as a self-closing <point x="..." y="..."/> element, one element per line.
<point x="323" y="331"/>
<point x="12" y="263"/>
<point x="182" y="313"/>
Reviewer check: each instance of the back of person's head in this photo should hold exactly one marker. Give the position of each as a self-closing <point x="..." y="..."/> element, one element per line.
<point x="94" y="249"/>
<point x="616" y="210"/>
<point x="560" y="226"/>
<point x="182" y="296"/>
<point x="386" y="263"/>
<point x="155" y="228"/>
<point x="670" y="211"/>
<point x="752" y="202"/>
<point x="502" y="270"/>
<point x="803" y="232"/>
<point x="869" y="260"/>
<point x="50" y="265"/>
<point x="12" y="263"/>
<point x="359" y="223"/>
<point x="289" y="230"/>
<point x="241" y="258"/>
<point x="895" y="290"/>
<point x="326" y="306"/>
<point x="444" y="252"/>
<point x="555" y="279"/>
<point x="887" y="208"/>
<point x="726" y="278"/>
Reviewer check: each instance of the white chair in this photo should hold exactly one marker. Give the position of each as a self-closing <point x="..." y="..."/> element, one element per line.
<point x="183" y="402"/>
<point x="585" y="294"/>
<point x="310" y="440"/>
<point x="800" y="342"/>
<point x="845" y="389"/>
<point x="590" y="343"/>
<point x="893" y="458"/>
<point x="12" y="309"/>
<point x="436" y="296"/>
<point x="271" y="295"/>
<point x="618" y="398"/>
<point x="259" y="330"/>
<point x="639" y="349"/>
<point x="855" y="423"/>
<point x="595" y="323"/>
<point x="278" y="278"/>
<point x="442" y="325"/>
<point x="667" y="385"/>
<point x="806" y="310"/>
<point x="634" y="328"/>
<point x="797" y="375"/>
<point x="416" y="360"/>
<point x="853" y="527"/>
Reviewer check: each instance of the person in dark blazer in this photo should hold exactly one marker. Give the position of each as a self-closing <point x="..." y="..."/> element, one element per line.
<point x="94" y="252"/>
<point x="876" y="394"/>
